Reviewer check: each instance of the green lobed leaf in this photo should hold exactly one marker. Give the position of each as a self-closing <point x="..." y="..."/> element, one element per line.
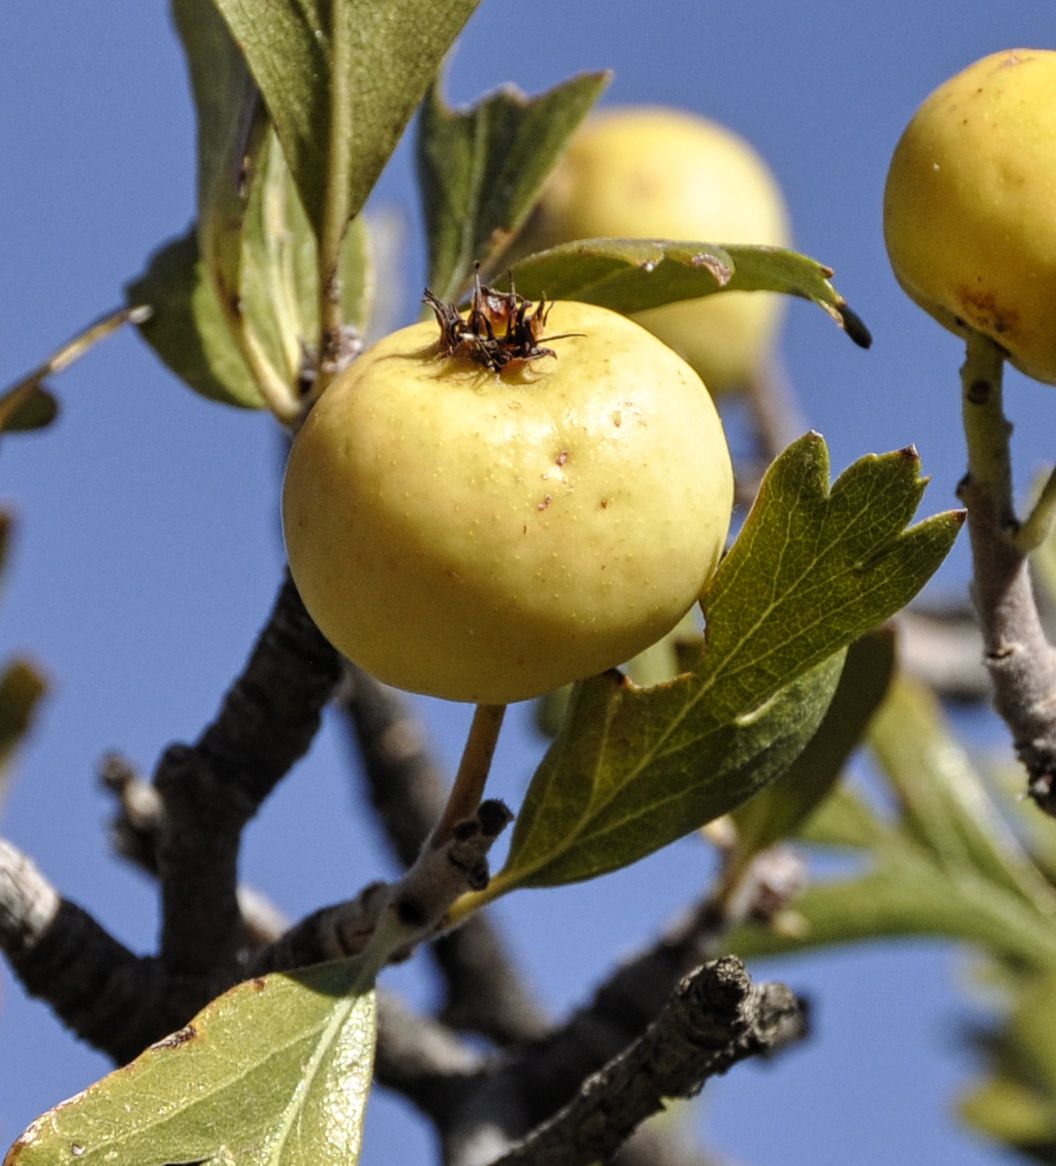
<point x="480" y="170"/>
<point x="188" y="329"/>
<point x="274" y="1072"/>
<point x="629" y="275"/>
<point x="635" y="769"/>
<point x="782" y="807"/>
<point x="812" y="570"/>
<point x="341" y="79"/>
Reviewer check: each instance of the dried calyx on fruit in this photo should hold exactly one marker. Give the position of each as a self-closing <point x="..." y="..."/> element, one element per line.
<point x="500" y="329"/>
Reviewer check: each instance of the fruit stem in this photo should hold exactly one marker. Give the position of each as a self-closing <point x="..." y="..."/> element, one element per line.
<point x="468" y="787"/>
<point x="986" y="429"/>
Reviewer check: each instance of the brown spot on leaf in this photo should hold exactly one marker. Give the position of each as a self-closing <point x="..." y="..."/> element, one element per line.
<point x="180" y="1037"/>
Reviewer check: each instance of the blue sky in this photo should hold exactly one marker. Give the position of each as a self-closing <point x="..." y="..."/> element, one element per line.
<point x="148" y="548"/>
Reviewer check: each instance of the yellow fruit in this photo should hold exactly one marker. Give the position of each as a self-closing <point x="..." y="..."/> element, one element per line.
<point x="658" y="173"/>
<point x="970" y="205"/>
<point x="487" y="536"/>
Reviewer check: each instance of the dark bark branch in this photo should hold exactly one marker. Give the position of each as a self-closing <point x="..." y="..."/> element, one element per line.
<point x="135" y="829"/>
<point x="526" y="1088"/>
<point x="484" y="992"/>
<point x="714" y="1018"/>
<point x="210" y="790"/>
<point x="109" y="997"/>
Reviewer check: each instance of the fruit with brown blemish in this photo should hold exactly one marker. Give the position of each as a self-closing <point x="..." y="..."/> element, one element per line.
<point x="969" y="215"/>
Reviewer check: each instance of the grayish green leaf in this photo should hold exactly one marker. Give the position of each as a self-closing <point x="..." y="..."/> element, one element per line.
<point x="341" y="79"/>
<point x="232" y="126"/>
<point x="188" y="329"/>
<point x="223" y="93"/>
<point x="199" y="340"/>
<point x="279" y="270"/>
<point x="275" y="1072"/>
<point x="480" y="170"/>
<point x="629" y="275"/>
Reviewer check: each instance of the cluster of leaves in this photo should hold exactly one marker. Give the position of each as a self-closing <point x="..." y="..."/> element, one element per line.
<point x="954" y="853"/>
<point x="300" y="103"/>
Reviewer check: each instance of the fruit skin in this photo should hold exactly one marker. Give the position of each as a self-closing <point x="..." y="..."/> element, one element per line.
<point x="486" y="537"/>
<point x="969" y="213"/>
<point x="658" y="173"/>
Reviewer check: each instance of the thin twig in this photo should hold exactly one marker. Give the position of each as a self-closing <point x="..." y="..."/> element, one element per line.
<point x="1021" y="662"/>
<point x="1039" y="524"/>
<point x="136" y="828"/>
<point x="111" y="998"/>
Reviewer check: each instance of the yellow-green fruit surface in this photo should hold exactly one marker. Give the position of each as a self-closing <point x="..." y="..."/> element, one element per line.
<point x="486" y="537"/>
<point x="970" y="205"/>
<point x="657" y="173"/>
